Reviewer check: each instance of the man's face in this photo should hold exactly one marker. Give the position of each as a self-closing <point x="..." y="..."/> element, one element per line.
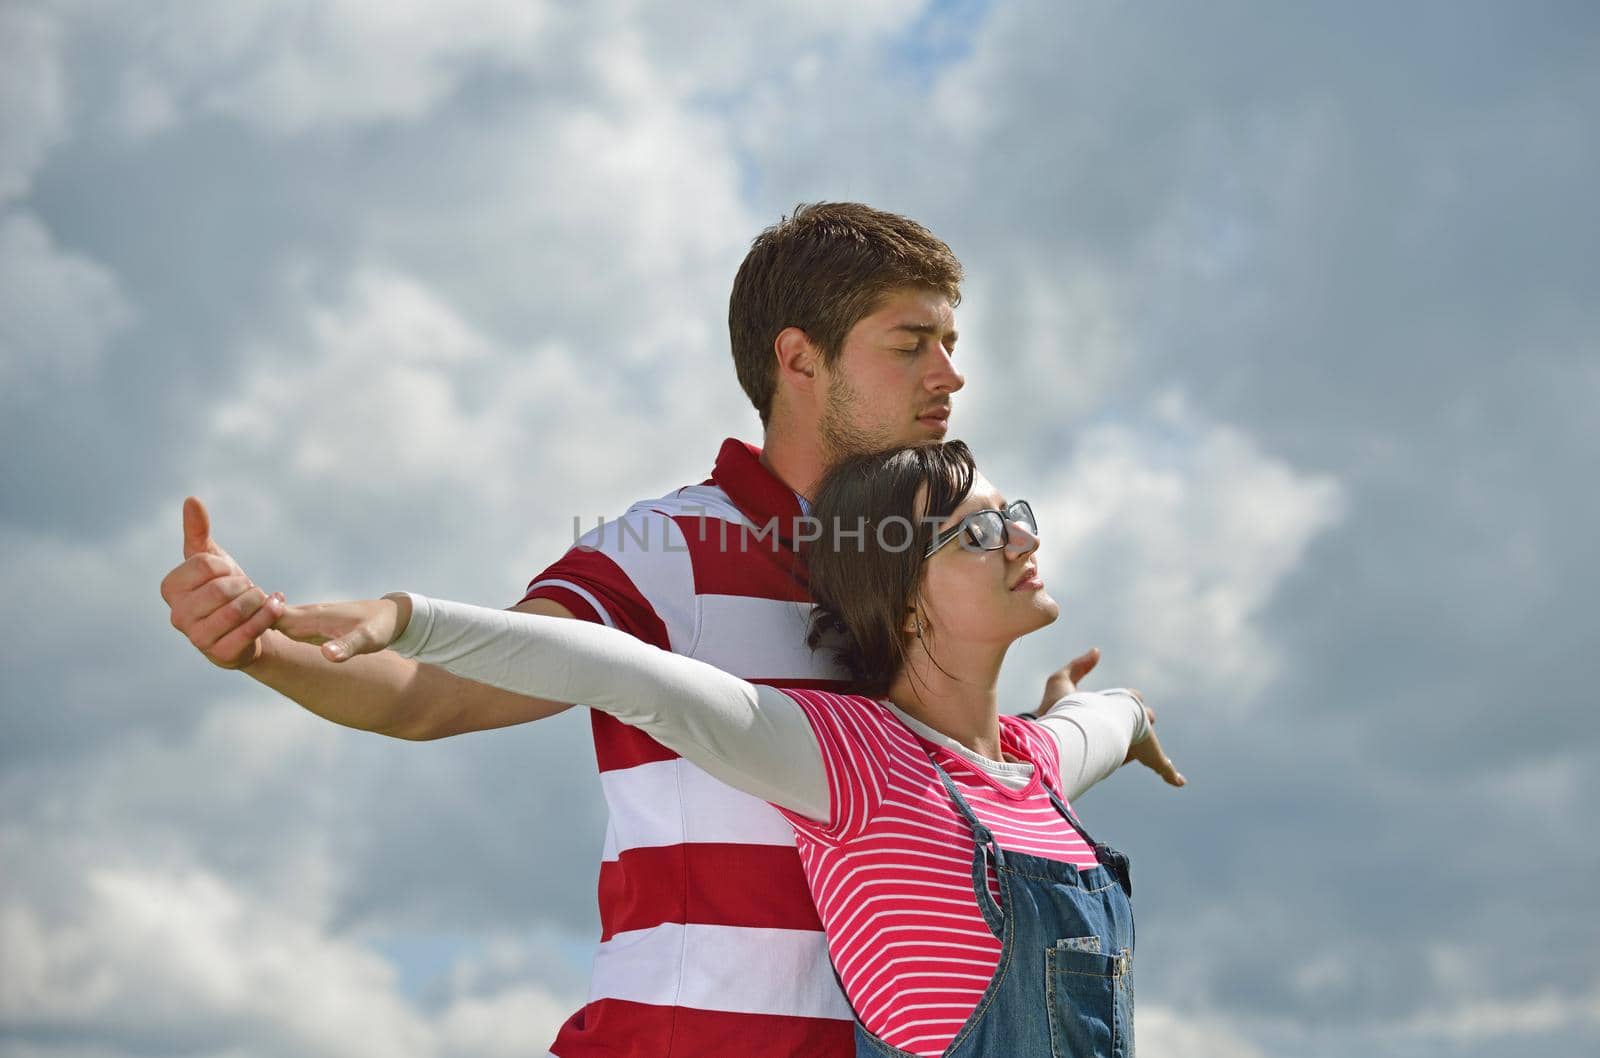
<point x="892" y="382"/>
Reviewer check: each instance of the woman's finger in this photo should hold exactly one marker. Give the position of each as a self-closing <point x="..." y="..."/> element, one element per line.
<point x="363" y="639"/>
<point x="344" y="629"/>
<point x="1151" y="755"/>
<point x="1163" y="766"/>
<point x="303" y="624"/>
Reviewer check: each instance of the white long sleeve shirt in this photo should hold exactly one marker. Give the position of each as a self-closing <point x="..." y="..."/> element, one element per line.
<point x="753" y="737"/>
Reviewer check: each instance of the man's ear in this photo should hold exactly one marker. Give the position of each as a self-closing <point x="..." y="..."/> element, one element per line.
<point x="798" y="359"/>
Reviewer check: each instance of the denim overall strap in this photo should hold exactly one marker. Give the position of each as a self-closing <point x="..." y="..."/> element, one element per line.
<point x="1112" y="860"/>
<point x="982" y="833"/>
<point x="984" y="846"/>
<point x="1063" y="987"/>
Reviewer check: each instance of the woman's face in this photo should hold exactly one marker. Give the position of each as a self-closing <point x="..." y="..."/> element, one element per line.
<point x="995" y="596"/>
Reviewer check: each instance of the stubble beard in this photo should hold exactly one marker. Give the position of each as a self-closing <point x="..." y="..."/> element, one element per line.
<point x="842" y="435"/>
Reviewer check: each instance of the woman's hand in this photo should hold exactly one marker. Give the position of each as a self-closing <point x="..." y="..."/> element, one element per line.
<point x="346" y="629"/>
<point x="1149" y="752"/>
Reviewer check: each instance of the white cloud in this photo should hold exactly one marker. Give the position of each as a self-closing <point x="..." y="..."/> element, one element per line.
<point x="508" y="1024"/>
<point x="729" y="46"/>
<point x="182" y="795"/>
<point x="1049" y="346"/>
<point x="1162" y="1030"/>
<point x="1544" y="1012"/>
<point x="144" y="105"/>
<point x="58" y="309"/>
<point x="299" y="66"/>
<point x="376" y="398"/>
<point x="397" y="390"/>
<point x="613" y="224"/>
<point x="548" y="204"/>
<point x="187" y="959"/>
<point x="33" y="96"/>
<point x="66" y="581"/>
<point x="188" y="890"/>
<point x="288" y="68"/>
<point x="396" y="403"/>
<point x="1176" y="535"/>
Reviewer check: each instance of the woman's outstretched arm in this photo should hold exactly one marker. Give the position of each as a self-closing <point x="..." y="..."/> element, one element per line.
<point x="753" y="738"/>
<point x="1094" y="732"/>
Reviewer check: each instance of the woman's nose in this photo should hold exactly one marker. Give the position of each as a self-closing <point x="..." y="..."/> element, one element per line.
<point x="1020" y="540"/>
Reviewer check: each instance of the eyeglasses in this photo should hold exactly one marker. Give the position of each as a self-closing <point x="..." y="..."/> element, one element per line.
<point x="985" y="530"/>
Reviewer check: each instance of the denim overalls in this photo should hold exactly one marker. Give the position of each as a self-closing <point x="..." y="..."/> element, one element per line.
<point x="1064" y="985"/>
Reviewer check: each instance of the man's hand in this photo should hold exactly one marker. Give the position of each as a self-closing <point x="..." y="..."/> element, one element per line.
<point x="213" y="603"/>
<point x="346" y="629"/>
<point x="1064" y="681"/>
<point x="1149" y="752"/>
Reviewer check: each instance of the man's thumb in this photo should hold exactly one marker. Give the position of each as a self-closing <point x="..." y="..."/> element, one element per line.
<point x="197" y="529"/>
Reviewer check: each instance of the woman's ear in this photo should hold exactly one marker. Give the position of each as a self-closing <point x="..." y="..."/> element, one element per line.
<point x="913" y="624"/>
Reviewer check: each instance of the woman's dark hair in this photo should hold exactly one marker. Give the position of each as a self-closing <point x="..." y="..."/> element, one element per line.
<point x="867" y="564"/>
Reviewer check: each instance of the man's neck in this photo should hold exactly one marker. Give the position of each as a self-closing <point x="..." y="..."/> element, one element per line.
<point x="794" y="457"/>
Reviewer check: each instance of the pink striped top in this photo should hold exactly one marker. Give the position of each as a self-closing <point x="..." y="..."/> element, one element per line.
<point x="891" y="871"/>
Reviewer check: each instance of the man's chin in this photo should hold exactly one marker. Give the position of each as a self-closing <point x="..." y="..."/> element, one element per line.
<point x="923" y="433"/>
<point x="839" y="445"/>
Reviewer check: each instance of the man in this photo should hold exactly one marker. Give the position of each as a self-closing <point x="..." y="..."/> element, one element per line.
<point x="843" y="330"/>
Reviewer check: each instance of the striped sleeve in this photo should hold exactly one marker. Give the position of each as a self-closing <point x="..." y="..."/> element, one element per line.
<point x="632" y="573"/>
<point x="856" y="753"/>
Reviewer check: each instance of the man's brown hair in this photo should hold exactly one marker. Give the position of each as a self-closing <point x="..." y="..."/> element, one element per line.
<point x="822" y="269"/>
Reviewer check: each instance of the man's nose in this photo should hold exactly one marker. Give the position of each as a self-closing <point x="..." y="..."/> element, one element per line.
<point x="943" y="377"/>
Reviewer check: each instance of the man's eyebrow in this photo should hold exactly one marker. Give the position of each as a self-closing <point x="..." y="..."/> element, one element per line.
<point x="927" y="328"/>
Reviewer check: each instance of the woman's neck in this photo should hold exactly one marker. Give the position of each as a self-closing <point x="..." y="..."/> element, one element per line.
<point x="958" y="697"/>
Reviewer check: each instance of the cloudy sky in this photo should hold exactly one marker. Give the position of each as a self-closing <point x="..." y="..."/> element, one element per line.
<point x="1284" y="317"/>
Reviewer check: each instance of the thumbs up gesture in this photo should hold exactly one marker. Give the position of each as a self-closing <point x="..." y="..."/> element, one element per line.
<point x="213" y="603"/>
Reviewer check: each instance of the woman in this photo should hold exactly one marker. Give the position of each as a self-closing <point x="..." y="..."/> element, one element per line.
<point x="967" y="911"/>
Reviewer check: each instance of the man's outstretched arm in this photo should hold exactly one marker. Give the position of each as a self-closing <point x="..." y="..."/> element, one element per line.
<point x="228" y="619"/>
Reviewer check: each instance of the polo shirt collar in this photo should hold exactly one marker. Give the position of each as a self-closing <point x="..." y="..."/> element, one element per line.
<point x="755" y="490"/>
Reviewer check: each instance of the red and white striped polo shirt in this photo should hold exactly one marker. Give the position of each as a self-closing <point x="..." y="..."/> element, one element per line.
<point x="710" y="945"/>
<point x="891" y="871"/>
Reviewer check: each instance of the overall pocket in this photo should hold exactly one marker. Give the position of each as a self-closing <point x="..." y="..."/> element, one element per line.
<point x="1089" y="1000"/>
